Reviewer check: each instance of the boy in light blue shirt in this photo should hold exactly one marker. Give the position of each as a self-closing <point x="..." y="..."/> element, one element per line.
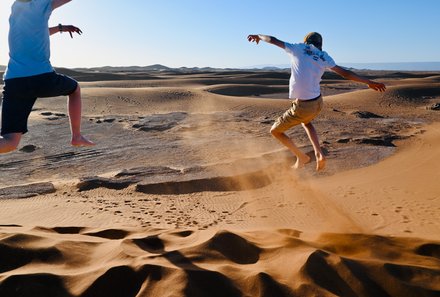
<point x="30" y="75"/>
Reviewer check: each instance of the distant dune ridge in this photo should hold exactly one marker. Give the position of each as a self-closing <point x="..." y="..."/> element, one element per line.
<point x="402" y="66"/>
<point x="394" y="66"/>
<point x="187" y="194"/>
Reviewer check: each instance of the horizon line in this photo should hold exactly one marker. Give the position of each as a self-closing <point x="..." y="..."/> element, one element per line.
<point x="435" y="66"/>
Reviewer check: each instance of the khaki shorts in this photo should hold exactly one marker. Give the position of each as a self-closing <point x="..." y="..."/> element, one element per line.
<point x="302" y="111"/>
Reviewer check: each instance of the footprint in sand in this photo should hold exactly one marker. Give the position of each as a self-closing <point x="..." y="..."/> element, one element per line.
<point x="52" y="116"/>
<point x="30" y="148"/>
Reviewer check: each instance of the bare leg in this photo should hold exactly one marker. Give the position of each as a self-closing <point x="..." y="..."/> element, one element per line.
<point x="301" y="158"/>
<point x="74" y="106"/>
<point x="313" y="136"/>
<point x="9" y="142"/>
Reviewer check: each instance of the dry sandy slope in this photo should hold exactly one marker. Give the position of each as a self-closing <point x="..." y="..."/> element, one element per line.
<point x="399" y="194"/>
<point x="368" y="231"/>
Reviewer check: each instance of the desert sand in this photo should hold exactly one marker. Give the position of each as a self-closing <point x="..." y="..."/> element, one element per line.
<point x="187" y="194"/>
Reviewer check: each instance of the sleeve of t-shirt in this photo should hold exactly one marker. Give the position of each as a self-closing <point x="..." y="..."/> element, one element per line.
<point x="329" y="62"/>
<point x="289" y="47"/>
<point x="45" y="6"/>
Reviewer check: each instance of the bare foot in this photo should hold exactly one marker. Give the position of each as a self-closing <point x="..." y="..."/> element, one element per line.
<point x="301" y="162"/>
<point x="320" y="163"/>
<point x="81" y="141"/>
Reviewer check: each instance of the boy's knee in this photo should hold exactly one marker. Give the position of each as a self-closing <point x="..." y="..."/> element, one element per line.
<point x="78" y="89"/>
<point x="10" y="142"/>
<point x="275" y="132"/>
<point x="279" y="128"/>
<point x="9" y="147"/>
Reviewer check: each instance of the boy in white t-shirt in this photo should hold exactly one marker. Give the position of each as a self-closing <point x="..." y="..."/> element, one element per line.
<point x="308" y="64"/>
<point x="30" y="75"/>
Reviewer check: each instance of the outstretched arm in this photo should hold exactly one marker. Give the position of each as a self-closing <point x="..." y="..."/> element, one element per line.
<point x="347" y="74"/>
<point x="58" y="3"/>
<point x="266" y="38"/>
<point x="65" y="28"/>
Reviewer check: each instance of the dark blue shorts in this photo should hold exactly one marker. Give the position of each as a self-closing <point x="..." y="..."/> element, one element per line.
<point x="20" y="94"/>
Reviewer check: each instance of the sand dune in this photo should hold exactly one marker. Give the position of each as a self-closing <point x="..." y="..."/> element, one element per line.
<point x="114" y="262"/>
<point x="246" y="90"/>
<point x="186" y="193"/>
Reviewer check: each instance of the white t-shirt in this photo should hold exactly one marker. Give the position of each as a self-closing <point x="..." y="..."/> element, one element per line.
<point x="308" y="66"/>
<point x="29" y="45"/>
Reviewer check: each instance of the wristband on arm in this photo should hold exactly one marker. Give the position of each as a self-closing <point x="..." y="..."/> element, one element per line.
<point x="60" y="28"/>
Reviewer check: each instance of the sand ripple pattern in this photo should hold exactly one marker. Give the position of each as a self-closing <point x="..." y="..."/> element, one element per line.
<point x="84" y="262"/>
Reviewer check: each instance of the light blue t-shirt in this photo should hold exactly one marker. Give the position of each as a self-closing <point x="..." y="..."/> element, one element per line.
<point x="308" y="64"/>
<point x="29" y="45"/>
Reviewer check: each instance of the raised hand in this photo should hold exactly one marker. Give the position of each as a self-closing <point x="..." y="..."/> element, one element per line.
<point x="71" y="29"/>
<point x="254" y="38"/>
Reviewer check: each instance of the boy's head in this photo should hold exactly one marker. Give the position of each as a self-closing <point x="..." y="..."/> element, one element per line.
<point x="314" y="38"/>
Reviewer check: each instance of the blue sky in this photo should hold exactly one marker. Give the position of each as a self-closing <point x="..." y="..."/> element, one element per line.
<point x="213" y="33"/>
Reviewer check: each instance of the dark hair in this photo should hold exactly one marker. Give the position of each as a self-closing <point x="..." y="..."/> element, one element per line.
<point x="314" y="38"/>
